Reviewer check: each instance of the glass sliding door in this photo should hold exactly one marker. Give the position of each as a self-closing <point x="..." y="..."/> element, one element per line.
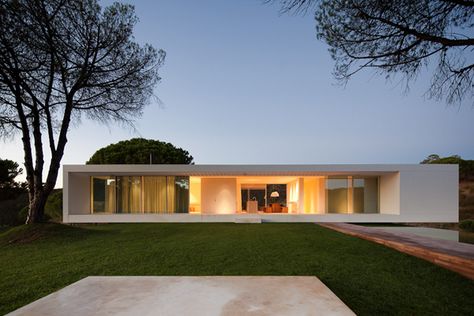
<point x="337" y="191"/>
<point x="181" y="194"/>
<point x="352" y="194"/>
<point x="365" y="194"/>
<point x="154" y="194"/>
<point x="129" y="194"/>
<point x="165" y="195"/>
<point x="103" y="195"/>
<point x="140" y="194"/>
<point x="358" y="185"/>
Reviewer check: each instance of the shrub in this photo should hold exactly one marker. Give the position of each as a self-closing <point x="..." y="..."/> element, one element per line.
<point x="467" y="225"/>
<point x="53" y="209"/>
<point x="10" y="210"/>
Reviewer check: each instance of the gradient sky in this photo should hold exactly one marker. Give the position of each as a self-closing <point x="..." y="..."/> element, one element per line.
<point x="244" y="84"/>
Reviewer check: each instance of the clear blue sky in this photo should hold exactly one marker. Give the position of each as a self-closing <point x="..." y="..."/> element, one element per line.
<point x="243" y="84"/>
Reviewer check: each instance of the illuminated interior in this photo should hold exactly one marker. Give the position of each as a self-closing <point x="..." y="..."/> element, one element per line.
<point x="235" y="195"/>
<point x="194" y="195"/>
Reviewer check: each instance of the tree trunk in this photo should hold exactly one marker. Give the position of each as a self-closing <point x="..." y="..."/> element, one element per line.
<point x="40" y="192"/>
<point x="36" y="207"/>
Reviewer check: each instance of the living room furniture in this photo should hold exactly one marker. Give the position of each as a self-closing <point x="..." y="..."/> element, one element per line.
<point x="276" y="207"/>
<point x="252" y="206"/>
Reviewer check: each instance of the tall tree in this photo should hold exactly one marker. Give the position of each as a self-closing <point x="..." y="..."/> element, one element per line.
<point x="399" y="37"/>
<point x="141" y="151"/>
<point x="60" y="61"/>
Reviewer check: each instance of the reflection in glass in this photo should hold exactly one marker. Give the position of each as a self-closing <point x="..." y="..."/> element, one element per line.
<point x="140" y="194"/>
<point x="103" y="194"/>
<point x="365" y="194"/>
<point x="358" y="185"/>
<point x="181" y="194"/>
<point x="337" y="195"/>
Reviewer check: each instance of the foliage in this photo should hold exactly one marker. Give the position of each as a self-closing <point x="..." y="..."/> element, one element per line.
<point x="138" y="151"/>
<point x="399" y="37"/>
<point x="431" y="158"/>
<point x="13" y="195"/>
<point x="14" y="211"/>
<point x="467" y="225"/>
<point x="370" y="278"/>
<point x="60" y="61"/>
<point x="9" y="170"/>
<point x="466" y="167"/>
<point x="11" y="209"/>
<point x="54" y="206"/>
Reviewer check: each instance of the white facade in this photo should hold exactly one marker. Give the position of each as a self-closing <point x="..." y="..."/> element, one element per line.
<point x="404" y="193"/>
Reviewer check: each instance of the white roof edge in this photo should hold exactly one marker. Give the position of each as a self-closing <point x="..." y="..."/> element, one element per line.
<point x="255" y="169"/>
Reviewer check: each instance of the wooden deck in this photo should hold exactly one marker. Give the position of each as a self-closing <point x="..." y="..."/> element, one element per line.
<point x="455" y="256"/>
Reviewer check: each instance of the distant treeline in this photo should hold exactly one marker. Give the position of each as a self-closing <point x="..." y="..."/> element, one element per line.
<point x="466" y="167"/>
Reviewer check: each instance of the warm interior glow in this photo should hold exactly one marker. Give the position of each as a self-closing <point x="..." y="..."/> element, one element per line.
<point x="194" y="194"/>
<point x="293" y="196"/>
<point x="314" y="195"/>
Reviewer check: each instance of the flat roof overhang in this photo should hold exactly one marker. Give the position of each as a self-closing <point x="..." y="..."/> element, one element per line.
<point x="254" y="170"/>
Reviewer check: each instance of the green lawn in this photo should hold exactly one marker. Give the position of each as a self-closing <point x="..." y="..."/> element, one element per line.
<point x="369" y="278"/>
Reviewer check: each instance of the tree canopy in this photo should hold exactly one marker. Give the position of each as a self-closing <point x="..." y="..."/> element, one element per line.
<point x="9" y="170"/>
<point x="63" y="60"/>
<point x="11" y="191"/>
<point x="140" y="151"/>
<point x="399" y="38"/>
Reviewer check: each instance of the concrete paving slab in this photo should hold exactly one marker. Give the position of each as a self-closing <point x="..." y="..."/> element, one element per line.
<point x="206" y="295"/>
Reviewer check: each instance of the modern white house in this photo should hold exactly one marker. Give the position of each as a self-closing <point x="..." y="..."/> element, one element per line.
<point x="268" y="193"/>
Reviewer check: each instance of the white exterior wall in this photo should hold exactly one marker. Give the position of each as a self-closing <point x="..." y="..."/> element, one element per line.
<point x="429" y="194"/>
<point x="407" y="193"/>
<point x="76" y="195"/>
<point x="389" y="193"/>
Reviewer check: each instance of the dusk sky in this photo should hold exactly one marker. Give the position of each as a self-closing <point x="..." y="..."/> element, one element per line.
<point x="243" y="84"/>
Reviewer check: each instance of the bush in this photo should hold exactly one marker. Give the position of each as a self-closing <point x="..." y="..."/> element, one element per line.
<point x="467" y="225"/>
<point x="14" y="211"/>
<point x="53" y="209"/>
<point x="10" y="210"/>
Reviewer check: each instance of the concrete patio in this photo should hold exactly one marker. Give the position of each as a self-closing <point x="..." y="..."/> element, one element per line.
<point x="206" y="295"/>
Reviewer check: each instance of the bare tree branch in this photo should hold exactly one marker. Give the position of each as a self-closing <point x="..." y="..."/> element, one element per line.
<point x="60" y="59"/>
<point x="399" y="37"/>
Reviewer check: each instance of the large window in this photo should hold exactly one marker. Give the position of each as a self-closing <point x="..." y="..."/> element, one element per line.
<point x="365" y="194"/>
<point x="129" y="194"/>
<point x="103" y="194"/>
<point x="154" y="195"/>
<point x="352" y="194"/>
<point x="181" y="194"/>
<point x="337" y="191"/>
<point x="140" y="194"/>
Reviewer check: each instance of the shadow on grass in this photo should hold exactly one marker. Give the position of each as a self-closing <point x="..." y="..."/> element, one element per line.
<point x="27" y="234"/>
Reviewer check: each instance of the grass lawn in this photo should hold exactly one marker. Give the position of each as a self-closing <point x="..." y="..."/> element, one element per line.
<point x="371" y="279"/>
